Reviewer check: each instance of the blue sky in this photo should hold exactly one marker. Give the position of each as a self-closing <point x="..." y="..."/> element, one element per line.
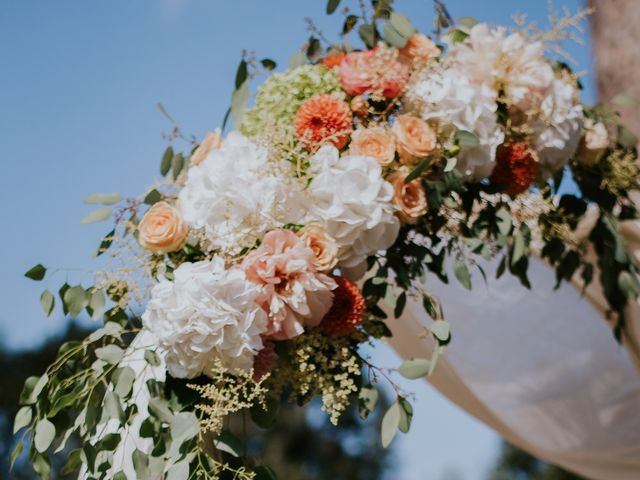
<point x="79" y="83"/>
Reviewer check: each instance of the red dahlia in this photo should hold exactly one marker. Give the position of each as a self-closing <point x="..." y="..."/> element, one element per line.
<point x="265" y="361"/>
<point x="347" y="311"/>
<point x="515" y="169"/>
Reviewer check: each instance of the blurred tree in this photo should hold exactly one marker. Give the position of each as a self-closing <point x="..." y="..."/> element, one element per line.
<point x="301" y="446"/>
<point x="516" y="464"/>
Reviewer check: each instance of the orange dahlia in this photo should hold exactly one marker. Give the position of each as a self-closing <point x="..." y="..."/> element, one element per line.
<point x="347" y="311"/>
<point x="515" y="169"/>
<point x="322" y="119"/>
<point x="334" y="59"/>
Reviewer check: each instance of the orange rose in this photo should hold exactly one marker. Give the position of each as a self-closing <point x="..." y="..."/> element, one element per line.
<point x="419" y="48"/>
<point x="376" y="142"/>
<point x="333" y="59"/>
<point x="324" y="247"/>
<point x="213" y="140"/>
<point x="415" y="139"/>
<point x="162" y="230"/>
<point x="409" y="198"/>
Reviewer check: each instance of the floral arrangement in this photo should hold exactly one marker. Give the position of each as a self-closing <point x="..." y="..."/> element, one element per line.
<point x="268" y="256"/>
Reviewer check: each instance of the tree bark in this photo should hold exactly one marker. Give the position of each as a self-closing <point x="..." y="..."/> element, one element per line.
<point x="615" y="26"/>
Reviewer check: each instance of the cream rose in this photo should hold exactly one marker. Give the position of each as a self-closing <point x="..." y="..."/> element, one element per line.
<point x="409" y="198"/>
<point x="324" y="247"/>
<point x="376" y="142"/>
<point x="415" y="139"/>
<point x="162" y="230"/>
<point x="419" y="48"/>
<point x="212" y="141"/>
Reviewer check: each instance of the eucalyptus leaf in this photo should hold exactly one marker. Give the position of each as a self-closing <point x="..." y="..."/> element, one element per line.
<point x="123" y="380"/>
<point x="441" y="330"/>
<point x="368" y="35"/>
<point x="165" y="164"/>
<point x="451" y="164"/>
<point x="76" y="299"/>
<point x="47" y="301"/>
<point x="504" y="221"/>
<point x="390" y="424"/>
<point x="414" y="368"/>
<point x="332" y="5"/>
<point x="464" y="138"/>
<point x="36" y="272"/>
<point x="417" y="171"/>
<point x="159" y="409"/>
<point x="461" y="272"/>
<point x="184" y="426"/>
<point x="178" y="471"/>
<point x="96" y="304"/>
<point x="229" y="443"/>
<point x="154" y="196"/>
<point x="103" y="198"/>
<point x="393" y="37"/>
<point x="140" y="464"/>
<point x="518" y="247"/>
<point x="406" y="415"/>
<point x="402" y="25"/>
<point x="367" y="399"/>
<point x="239" y="101"/>
<point x="241" y="73"/>
<point x="152" y="358"/>
<point x="110" y="353"/>
<point x="98" y="215"/>
<point x="177" y="165"/>
<point x="23" y="418"/>
<point x="45" y="432"/>
<point x="268" y="63"/>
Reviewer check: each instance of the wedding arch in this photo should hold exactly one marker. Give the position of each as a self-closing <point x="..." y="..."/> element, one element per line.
<point x="385" y="186"/>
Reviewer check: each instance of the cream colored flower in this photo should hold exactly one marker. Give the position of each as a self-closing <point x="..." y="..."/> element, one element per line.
<point x="212" y="141"/>
<point x="415" y="139"/>
<point x="162" y="230"/>
<point x="323" y="245"/>
<point x="376" y="142"/>
<point x="409" y="198"/>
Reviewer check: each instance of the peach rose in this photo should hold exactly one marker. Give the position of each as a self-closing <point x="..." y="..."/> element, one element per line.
<point x="294" y="294"/>
<point x="415" y="139"/>
<point x="376" y="142"/>
<point x="162" y="230"/>
<point x="212" y="141"/>
<point x="409" y="198"/>
<point x="324" y="247"/>
<point x="355" y="72"/>
<point x="373" y="71"/>
<point x="360" y="106"/>
<point x="419" y="48"/>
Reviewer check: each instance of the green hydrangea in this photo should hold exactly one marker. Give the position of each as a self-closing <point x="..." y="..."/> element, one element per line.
<point x="280" y="97"/>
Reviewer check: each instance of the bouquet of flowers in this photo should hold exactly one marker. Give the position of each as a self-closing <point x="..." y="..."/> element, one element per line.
<point x="267" y="256"/>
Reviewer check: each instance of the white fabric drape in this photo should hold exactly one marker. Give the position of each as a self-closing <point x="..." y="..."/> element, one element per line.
<point x="539" y="366"/>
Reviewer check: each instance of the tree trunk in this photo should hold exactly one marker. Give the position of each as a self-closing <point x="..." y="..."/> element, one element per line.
<point x="615" y="25"/>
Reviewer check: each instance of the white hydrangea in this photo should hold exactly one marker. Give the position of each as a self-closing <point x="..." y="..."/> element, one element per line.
<point x="449" y="97"/>
<point x="556" y="131"/>
<point x="353" y="201"/>
<point x="206" y="314"/>
<point x="493" y="57"/>
<point x="236" y="195"/>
